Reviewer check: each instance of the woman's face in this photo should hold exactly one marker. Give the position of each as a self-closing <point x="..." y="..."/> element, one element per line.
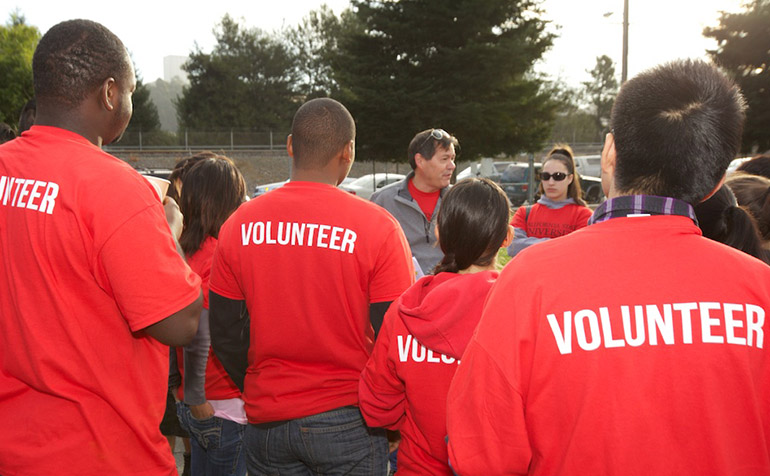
<point x="556" y="190"/>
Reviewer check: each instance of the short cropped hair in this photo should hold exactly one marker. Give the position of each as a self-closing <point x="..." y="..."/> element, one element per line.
<point x="426" y="146"/>
<point x="73" y="58"/>
<point x="321" y="128"/>
<point x="676" y="129"/>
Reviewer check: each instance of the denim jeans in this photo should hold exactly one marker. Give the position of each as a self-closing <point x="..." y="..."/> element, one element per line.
<point x="329" y="443"/>
<point x="217" y="445"/>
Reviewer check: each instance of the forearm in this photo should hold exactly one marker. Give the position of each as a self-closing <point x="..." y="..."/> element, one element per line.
<point x="521" y="241"/>
<point x="196" y="355"/>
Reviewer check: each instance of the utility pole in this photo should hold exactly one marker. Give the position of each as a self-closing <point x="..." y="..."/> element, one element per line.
<point x="624" y="73"/>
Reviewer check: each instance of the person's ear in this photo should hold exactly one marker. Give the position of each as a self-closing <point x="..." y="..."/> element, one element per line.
<point x="289" y="146"/>
<point x="508" y="238"/>
<point x="419" y="160"/>
<point x="108" y="93"/>
<point x="349" y="152"/>
<point x="608" y="161"/>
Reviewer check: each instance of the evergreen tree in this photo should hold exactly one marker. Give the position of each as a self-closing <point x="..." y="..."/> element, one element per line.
<point x="461" y="65"/>
<point x="743" y="50"/>
<point x="600" y="93"/>
<point x="17" y="45"/>
<point x="245" y="82"/>
<point x="145" y="117"/>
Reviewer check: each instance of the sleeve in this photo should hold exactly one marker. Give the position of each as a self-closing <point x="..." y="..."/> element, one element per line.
<point x="196" y="358"/>
<point x="393" y="271"/>
<point x="230" y="335"/>
<point x="583" y="215"/>
<point x="381" y="393"/>
<point x="139" y="265"/>
<point x="521" y="241"/>
<point x="485" y="419"/>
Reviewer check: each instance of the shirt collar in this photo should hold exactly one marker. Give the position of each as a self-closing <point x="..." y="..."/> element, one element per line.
<point x="642" y="205"/>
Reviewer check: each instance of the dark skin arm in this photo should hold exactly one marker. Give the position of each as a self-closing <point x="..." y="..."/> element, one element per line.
<point x="179" y="328"/>
<point x="377" y="312"/>
<point x="229" y="325"/>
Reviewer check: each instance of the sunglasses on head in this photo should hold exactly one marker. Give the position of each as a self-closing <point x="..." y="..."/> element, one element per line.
<point x="558" y="176"/>
<point x="436" y="134"/>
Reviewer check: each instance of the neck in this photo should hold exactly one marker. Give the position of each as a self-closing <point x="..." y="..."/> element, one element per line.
<point x="421" y="185"/>
<point x="67" y="121"/>
<point x="477" y="269"/>
<point x="319" y="176"/>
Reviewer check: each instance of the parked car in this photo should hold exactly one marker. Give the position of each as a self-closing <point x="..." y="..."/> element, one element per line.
<point x="263" y="189"/>
<point x="365" y="186"/>
<point x="590" y="165"/>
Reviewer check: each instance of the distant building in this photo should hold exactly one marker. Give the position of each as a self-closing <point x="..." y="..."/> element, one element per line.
<point x="172" y="67"/>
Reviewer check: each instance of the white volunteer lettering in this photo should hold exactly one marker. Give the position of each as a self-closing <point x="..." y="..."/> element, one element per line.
<point x="298" y="234"/>
<point x="662" y="323"/>
<point x="754" y="326"/>
<point x="419" y="352"/>
<point x="563" y="339"/>
<point x="721" y="323"/>
<point x="24" y="193"/>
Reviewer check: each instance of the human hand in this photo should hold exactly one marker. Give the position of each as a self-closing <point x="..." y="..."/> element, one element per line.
<point x="202" y="411"/>
<point x="173" y="216"/>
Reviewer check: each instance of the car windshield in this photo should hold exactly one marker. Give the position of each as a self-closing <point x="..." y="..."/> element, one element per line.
<point x="515" y="173"/>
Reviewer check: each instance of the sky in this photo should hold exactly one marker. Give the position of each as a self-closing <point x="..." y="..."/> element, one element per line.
<point x="659" y="30"/>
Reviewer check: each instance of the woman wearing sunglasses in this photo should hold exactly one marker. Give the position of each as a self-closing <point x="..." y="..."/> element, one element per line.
<point x="560" y="209"/>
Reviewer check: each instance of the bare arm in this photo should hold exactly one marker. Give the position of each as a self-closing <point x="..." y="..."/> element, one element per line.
<point x="179" y="328"/>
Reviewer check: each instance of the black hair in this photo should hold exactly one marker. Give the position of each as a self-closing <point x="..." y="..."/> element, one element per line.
<point x="321" y="128"/>
<point x="676" y="129"/>
<point x="6" y="133"/>
<point x="426" y="146"/>
<point x="759" y="165"/>
<point x="213" y="188"/>
<point x="27" y="115"/>
<point x="563" y="153"/>
<point x="721" y="219"/>
<point x="181" y="168"/>
<point x="753" y="193"/>
<point x="472" y="224"/>
<point x="73" y="58"/>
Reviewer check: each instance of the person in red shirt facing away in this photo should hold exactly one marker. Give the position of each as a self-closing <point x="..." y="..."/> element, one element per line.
<point x="415" y="199"/>
<point x="93" y="287"/>
<point x="560" y="209"/>
<point x="404" y="384"/>
<point x="660" y="367"/>
<point x="317" y="268"/>
<point x="212" y="410"/>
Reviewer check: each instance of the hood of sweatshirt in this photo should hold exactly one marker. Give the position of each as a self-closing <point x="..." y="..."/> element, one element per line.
<point x="442" y="311"/>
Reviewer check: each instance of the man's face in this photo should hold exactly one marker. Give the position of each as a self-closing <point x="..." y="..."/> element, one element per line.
<point x="124" y="107"/>
<point x="436" y="172"/>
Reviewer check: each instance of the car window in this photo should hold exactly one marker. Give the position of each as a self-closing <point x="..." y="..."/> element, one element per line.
<point x="515" y="174"/>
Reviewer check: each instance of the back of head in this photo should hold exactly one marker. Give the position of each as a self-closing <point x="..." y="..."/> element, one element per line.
<point x="759" y="165"/>
<point x="73" y="58"/>
<point x="753" y="193"/>
<point x="27" y="116"/>
<point x="213" y="189"/>
<point x="721" y="219"/>
<point x="427" y="142"/>
<point x="321" y="128"/>
<point x="472" y="224"/>
<point x="177" y="175"/>
<point x="676" y="129"/>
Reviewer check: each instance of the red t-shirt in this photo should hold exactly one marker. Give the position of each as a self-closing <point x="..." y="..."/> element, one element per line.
<point x="426" y="201"/>
<point x="545" y="222"/>
<point x="308" y="259"/>
<point x="219" y="385"/>
<point x="658" y="366"/>
<point x="88" y="261"/>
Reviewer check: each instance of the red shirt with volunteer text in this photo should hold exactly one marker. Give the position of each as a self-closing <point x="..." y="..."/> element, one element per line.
<point x="658" y="365"/>
<point x="219" y="385"/>
<point x="87" y="262"/>
<point x="545" y="222"/>
<point x="308" y="259"/>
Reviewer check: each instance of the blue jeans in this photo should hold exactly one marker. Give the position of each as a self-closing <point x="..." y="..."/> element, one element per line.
<point x="329" y="443"/>
<point x="217" y="445"/>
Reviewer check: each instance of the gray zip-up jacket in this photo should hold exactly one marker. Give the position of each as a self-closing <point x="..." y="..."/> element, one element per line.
<point x="419" y="231"/>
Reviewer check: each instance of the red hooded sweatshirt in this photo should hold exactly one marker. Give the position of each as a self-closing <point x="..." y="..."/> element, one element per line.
<point x="405" y="382"/>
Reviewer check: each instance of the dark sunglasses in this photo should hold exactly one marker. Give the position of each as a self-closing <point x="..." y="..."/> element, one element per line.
<point x="558" y="176"/>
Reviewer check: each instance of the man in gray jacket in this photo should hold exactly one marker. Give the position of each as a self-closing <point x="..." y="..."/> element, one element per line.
<point x="414" y="201"/>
